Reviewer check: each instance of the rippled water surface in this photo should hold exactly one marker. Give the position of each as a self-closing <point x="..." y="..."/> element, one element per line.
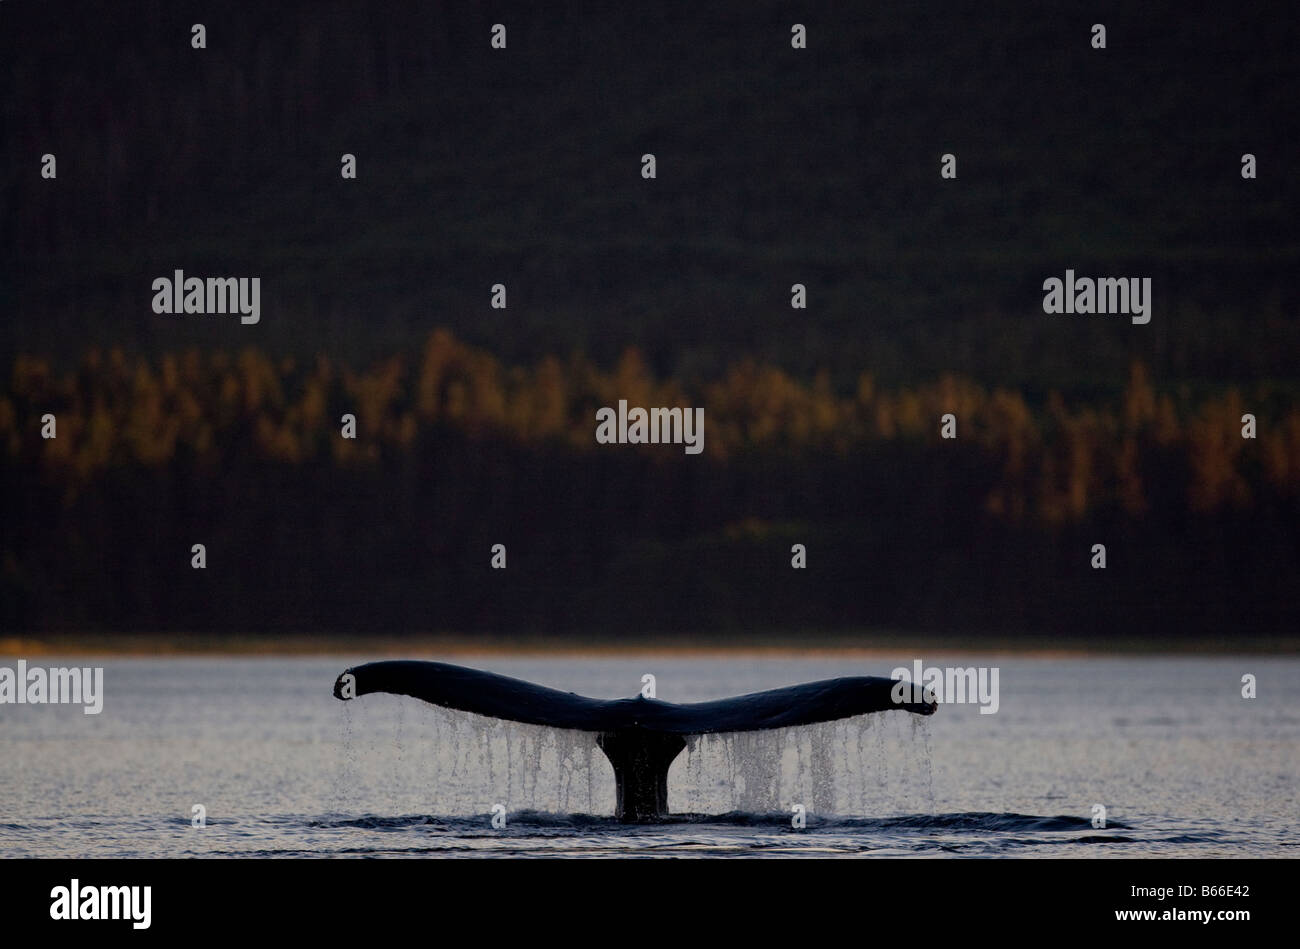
<point x="1182" y="763"/>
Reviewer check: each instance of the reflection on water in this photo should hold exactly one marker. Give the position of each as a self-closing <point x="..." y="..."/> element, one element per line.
<point x="1182" y="763"/>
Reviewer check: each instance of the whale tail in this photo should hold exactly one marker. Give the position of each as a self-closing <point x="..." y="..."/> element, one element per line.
<point x="641" y="737"/>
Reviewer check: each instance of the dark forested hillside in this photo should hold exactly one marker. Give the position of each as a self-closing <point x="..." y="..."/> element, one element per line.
<point x="775" y="166"/>
<point x="522" y="167"/>
<point x="304" y="529"/>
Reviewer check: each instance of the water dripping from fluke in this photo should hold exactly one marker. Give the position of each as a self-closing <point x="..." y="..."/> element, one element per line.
<point x="641" y="737"/>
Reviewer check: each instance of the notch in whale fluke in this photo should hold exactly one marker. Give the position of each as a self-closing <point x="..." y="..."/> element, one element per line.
<point x="639" y="736"/>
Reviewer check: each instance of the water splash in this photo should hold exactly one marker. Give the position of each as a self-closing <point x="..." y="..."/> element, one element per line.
<point x="925" y="748"/>
<point x="841" y="768"/>
<point x="453" y="763"/>
<point x="343" y="771"/>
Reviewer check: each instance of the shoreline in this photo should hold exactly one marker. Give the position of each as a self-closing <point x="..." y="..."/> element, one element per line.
<point x="172" y="645"/>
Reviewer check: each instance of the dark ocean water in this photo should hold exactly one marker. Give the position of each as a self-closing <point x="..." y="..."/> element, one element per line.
<point x="1181" y="762"/>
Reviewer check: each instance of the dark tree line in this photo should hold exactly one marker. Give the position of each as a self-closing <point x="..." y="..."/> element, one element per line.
<point x="307" y="530"/>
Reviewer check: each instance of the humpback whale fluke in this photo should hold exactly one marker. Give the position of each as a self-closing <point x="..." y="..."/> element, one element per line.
<point x="639" y="736"/>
